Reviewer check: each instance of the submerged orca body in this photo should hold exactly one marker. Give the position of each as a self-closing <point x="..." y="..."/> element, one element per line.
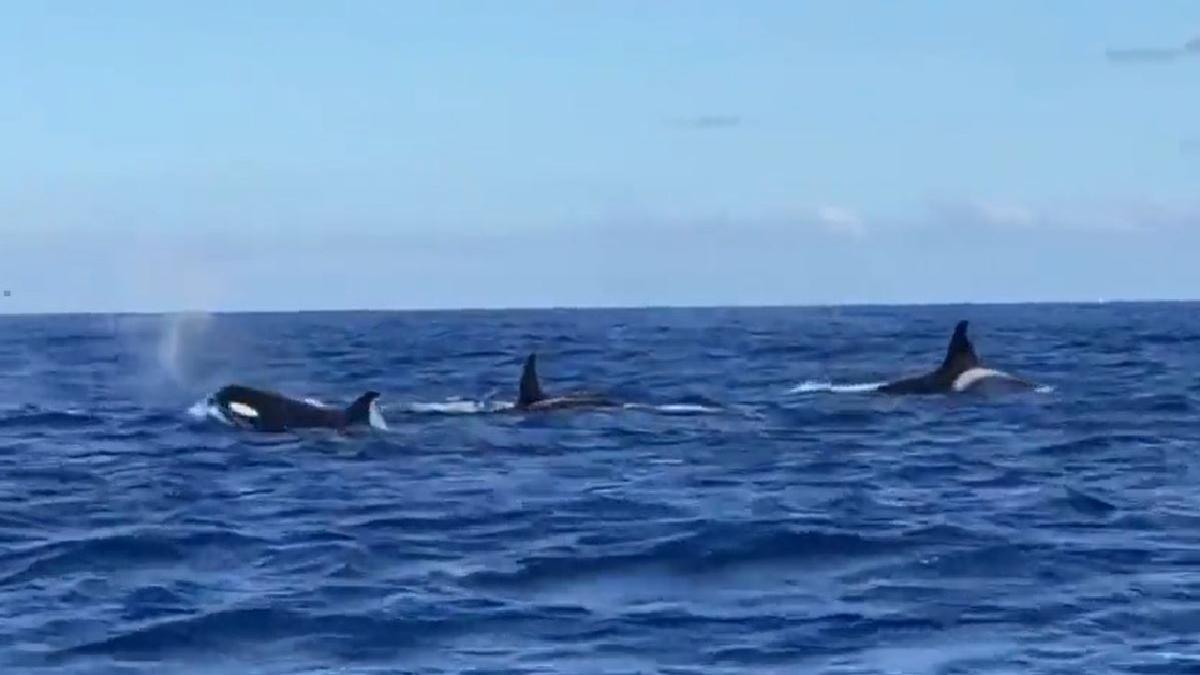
<point x="532" y="398"/>
<point x="961" y="371"/>
<point x="271" y="411"/>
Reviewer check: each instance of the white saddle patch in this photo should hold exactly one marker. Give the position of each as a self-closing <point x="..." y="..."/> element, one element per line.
<point x="972" y="376"/>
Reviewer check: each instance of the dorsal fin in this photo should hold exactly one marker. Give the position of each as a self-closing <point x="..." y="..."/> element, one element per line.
<point x="960" y="355"/>
<point x="531" y="389"/>
<point x="359" y="412"/>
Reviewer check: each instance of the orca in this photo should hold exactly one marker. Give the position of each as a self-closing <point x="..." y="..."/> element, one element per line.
<point x="961" y="371"/>
<point x="531" y="398"/>
<point x="271" y="411"/>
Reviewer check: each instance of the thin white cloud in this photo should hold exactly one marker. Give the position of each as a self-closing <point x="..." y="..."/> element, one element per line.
<point x="841" y="220"/>
<point x="1113" y="215"/>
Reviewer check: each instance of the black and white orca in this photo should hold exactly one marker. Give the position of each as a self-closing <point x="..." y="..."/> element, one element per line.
<point x="961" y="371"/>
<point x="531" y="397"/>
<point x="271" y="411"/>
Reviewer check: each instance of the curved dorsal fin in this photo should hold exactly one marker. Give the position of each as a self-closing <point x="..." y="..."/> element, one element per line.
<point x="531" y="389"/>
<point x="360" y="410"/>
<point x="960" y="355"/>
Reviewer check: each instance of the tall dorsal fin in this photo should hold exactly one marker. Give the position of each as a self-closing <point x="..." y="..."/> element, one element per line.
<point x="960" y="355"/>
<point x="531" y="389"/>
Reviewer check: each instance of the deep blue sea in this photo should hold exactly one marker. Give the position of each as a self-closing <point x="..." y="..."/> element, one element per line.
<point x="753" y="511"/>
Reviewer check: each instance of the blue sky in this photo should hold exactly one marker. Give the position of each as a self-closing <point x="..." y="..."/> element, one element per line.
<point x="307" y="155"/>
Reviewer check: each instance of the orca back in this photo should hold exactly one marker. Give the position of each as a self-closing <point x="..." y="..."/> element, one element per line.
<point x="960" y="357"/>
<point x="531" y="396"/>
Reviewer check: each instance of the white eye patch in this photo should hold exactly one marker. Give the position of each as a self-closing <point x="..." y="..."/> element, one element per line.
<point x="242" y="409"/>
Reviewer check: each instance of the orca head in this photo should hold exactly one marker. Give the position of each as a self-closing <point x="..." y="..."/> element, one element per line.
<point x="241" y="405"/>
<point x="238" y="399"/>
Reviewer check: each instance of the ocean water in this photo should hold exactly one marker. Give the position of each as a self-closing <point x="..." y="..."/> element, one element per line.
<point x="754" y="510"/>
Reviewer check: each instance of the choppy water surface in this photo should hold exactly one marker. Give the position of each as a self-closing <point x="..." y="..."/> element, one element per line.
<point x="753" y="511"/>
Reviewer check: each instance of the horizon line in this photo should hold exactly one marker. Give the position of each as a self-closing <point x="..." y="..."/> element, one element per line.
<point x="595" y="308"/>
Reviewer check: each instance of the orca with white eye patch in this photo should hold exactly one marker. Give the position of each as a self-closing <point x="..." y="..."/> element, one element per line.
<point x="271" y="411"/>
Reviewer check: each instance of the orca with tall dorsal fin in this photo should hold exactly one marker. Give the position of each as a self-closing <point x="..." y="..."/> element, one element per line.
<point x="961" y="371"/>
<point x="271" y="411"/>
<point x="530" y="396"/>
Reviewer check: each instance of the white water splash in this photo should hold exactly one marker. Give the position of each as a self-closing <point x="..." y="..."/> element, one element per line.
<point x="456" y="407"/>
<point x="674" y="408"/>
<point x="812" y="386"/>
<point x="375" y="418"/>
<point x="205" y="409"/>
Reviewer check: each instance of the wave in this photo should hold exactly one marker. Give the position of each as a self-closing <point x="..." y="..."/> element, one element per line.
<point x="453" y="406"/>
<point x="675" y="408"/>
<point x="115" y="550"/>
<point x="458" y="406"/>
<point x="58" y="419"/>
<point x="715" y="547"/>
<point x="229" y="627"/>
<point x="1088" y="504"/>
<point x="813" y="386"/>
<point x="381" y="633"/>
